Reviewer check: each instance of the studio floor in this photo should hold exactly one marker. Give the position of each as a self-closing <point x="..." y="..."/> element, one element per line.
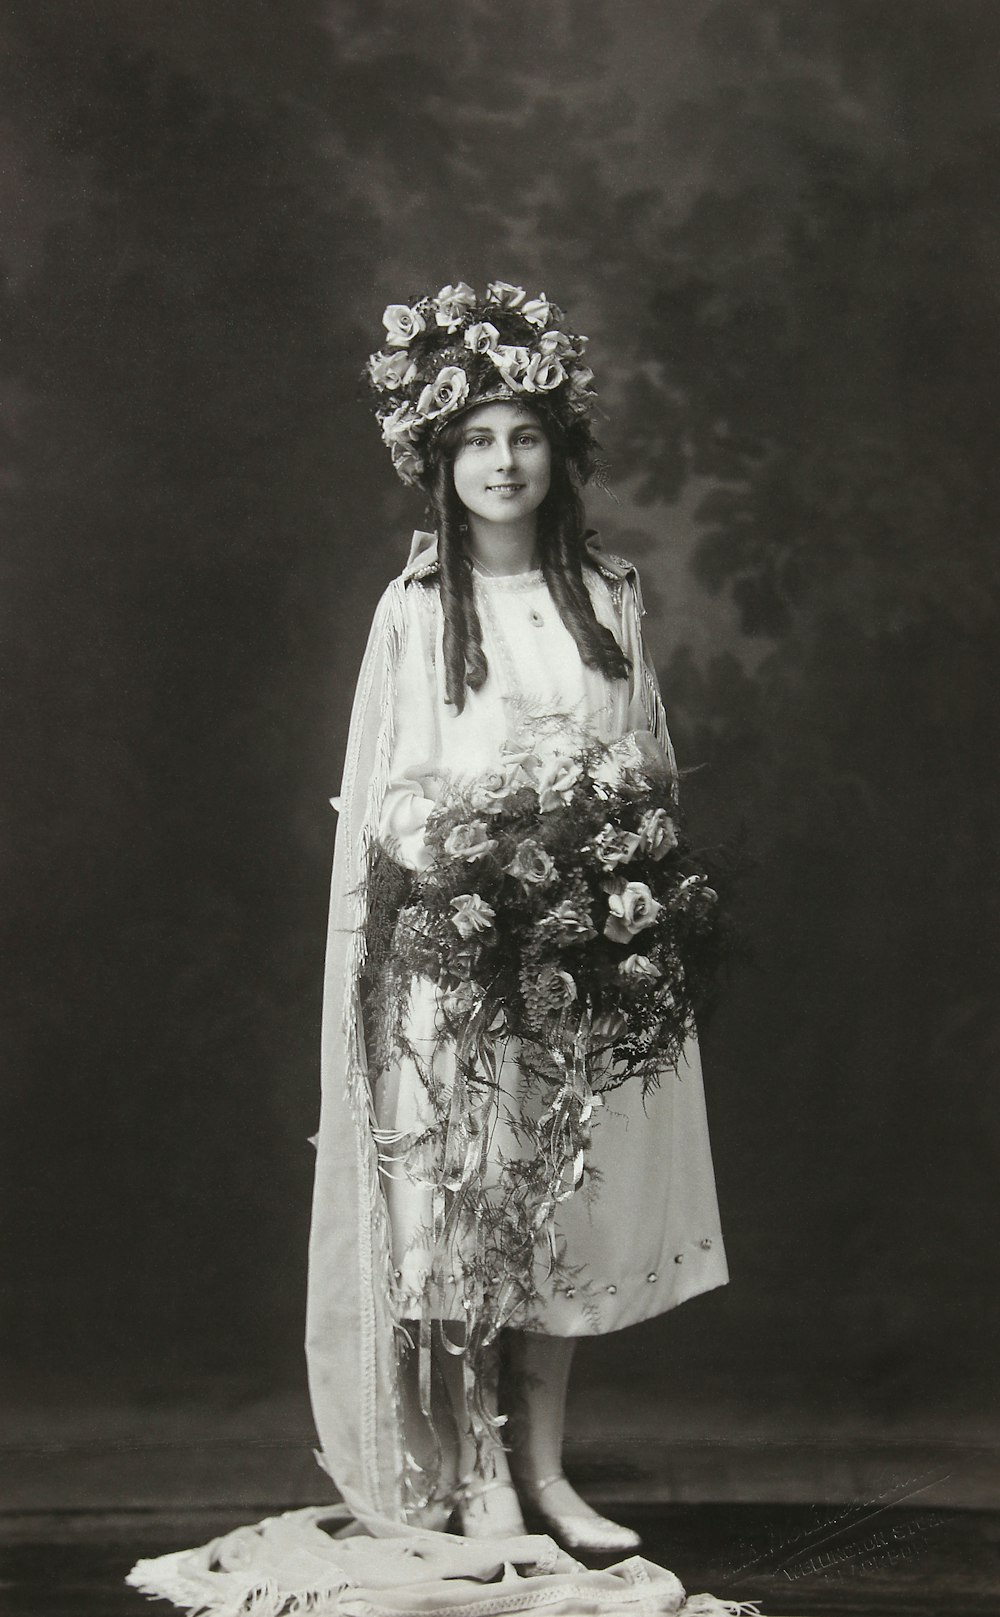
<point x="807" y="1519"/>
<point x="795" y="1561"/>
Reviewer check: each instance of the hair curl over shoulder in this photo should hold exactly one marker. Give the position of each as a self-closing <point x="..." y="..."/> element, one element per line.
<point x="563" y="556"/>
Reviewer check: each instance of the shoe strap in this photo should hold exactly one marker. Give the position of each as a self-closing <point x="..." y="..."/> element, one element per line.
<point x="541" y="1483"/>
<point x="471" y="1489"/>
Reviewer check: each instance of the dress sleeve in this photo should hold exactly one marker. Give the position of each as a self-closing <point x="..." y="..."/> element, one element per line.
<point x="411" y="791"/>
<point x="645" y="710"/>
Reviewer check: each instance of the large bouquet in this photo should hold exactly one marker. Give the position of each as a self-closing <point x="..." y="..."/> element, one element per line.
<point x="561" y="902"/>
<point x="562" y="919"/>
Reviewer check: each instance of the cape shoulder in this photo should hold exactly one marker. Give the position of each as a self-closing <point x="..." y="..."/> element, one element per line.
<point x="423" y="561"/>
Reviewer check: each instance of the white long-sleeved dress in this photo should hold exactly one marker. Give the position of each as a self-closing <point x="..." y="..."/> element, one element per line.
<point x="649" y="1238"/>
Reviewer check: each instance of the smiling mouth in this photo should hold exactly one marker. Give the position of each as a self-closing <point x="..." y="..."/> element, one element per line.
<point x="504" y="488"/>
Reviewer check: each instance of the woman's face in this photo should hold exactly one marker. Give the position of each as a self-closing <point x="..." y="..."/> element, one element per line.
<point x="503" y="464"/>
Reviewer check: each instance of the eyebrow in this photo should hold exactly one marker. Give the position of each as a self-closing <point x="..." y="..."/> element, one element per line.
<point x="520" y="426"/>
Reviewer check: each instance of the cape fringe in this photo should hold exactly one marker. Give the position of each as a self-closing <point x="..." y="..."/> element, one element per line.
<point x="231" y="1595"/>
<point x="704" y="1605"/>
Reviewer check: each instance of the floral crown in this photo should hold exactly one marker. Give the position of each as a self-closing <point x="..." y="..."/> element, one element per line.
<point x="444" y="355"/>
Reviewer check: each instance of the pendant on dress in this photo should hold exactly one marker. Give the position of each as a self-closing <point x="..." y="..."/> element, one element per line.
<point x="536" y="618"/>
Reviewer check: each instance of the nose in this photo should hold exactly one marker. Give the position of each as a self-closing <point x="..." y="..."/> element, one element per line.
<point x="505" y="453"/>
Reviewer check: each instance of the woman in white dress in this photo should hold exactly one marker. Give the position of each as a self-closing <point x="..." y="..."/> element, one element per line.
<point x="510" y="634"/>
<point x="510" y="630"/>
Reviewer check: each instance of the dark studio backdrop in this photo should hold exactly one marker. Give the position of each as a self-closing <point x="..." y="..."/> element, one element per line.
<point x="778" y="222"/>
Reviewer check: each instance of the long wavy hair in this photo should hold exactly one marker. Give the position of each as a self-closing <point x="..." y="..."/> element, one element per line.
<point x="563" y="556"/>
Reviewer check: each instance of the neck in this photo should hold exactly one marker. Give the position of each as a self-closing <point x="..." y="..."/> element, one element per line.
<point x="504" y="547"/>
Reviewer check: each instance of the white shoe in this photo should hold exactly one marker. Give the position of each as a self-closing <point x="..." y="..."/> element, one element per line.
<point x="578" y="1529"/>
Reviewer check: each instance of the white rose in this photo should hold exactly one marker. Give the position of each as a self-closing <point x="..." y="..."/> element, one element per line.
<point x="472" y="915"/>
<point x="555" y="783"/>
<point x="532" y="866"/>
<point x="579" y="382"/>
<point x="469" y="841"/>
<point x="519" y="757"/>
<point x="402" y="324"/>
<point x="632" y="909"/>
<point x="452" y="305"/>
<point x="555" y="342"/>
<point x="658" y="833"/>
<point x="511" y="362"/>
<point x="615" y="847"/>
<point x="449" y="389"/>
<point x="400" y="426"/>
<point x="392" y="370"/>
<point x="482" y="337"/>
<point x="545" y="372"/>
<point x="538" y="311"/>
<point x="506" y="295"/>
<point x="639" y="968"/>
<point x="491" y="789"/>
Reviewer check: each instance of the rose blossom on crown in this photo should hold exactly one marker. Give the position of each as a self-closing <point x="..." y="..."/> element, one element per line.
<point x="545" y="372"/>
<point x="512" y="363"/>
<point x="537" y="311"/>
<point x="400" y="426"/>
<point x="453" y="304"/>
<point x="556" y="342"/>
<point x="482" y="337"/>
<point x="402" y="324"/>
<point x="391" y="370"/>
<point x="506" y="295"/>
<point x="449" y="389"/>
